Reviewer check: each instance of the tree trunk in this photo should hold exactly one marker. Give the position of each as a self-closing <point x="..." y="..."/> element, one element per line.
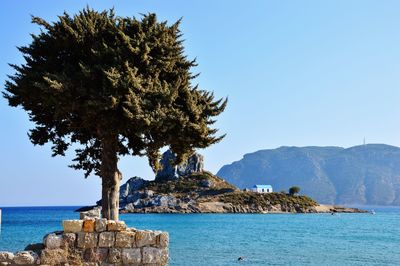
<point x="110" y="178"/>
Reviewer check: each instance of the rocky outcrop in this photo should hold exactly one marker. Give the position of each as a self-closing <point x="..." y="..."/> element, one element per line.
<point x="95" y="242"/>
<point x="170" y="171"/>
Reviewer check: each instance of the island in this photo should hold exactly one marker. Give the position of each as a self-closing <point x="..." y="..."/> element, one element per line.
<point x="188" y="188"/>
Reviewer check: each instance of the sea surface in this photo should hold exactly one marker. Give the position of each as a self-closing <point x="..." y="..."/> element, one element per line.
<point x="219" y="239"/>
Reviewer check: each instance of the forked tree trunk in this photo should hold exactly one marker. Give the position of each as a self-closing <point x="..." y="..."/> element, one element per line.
<point x="110" y="178"/>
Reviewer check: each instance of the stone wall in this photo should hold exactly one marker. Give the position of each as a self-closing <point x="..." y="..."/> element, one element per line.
<point x="94" y="242"/>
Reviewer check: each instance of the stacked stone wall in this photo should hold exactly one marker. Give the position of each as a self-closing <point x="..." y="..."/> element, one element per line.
<point x="93" y="242"/>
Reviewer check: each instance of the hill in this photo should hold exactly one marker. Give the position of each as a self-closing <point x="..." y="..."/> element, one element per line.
<point x="205" y="193"/>
<point x="365" y="175"/>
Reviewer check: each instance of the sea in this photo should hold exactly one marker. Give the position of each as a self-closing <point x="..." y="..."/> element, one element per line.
<point x="220" y="239"/>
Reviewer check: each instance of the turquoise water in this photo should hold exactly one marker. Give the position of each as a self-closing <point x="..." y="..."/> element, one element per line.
<point x="219" y="239"/>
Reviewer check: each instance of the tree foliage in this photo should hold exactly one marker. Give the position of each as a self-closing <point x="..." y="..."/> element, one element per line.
<point x="95" y="76"/>
<point x="294" y="190"/>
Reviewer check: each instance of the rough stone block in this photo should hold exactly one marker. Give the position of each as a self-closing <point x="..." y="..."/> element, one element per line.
<point x="131" y="255"/>
<point x="72" y="226"/>
<point x="116" y="225"/>
<point x="52" y="241"/>
<point x="25" y="258"/>
<point x="101" y="225"/>
<point x="125" y="239"/>
<point x="115" y="255"/>
<point x="87" y="240"/>
<point x="88" y="225"/>
<point x="6" y="256"/>
<point x="69" y="240"/>
<point x="106" y="239"/>
<point x="162" y="240"/>
<point x="94" y="213"/>
<point x="145" y="238"/>
<point x="154" y="255"/>
<point x="95" y="255"/>
<point x="53" y="256"/>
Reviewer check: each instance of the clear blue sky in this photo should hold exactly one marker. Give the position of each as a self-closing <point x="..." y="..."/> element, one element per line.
<point x="297" y="73"/>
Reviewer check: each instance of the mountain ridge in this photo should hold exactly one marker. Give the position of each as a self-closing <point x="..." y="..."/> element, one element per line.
<point x="364" y="174"/>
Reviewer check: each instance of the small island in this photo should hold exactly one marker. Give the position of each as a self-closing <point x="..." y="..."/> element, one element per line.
<point x="188" y="188"/>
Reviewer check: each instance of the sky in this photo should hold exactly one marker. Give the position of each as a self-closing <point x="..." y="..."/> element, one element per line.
<point x="297" y="73"/>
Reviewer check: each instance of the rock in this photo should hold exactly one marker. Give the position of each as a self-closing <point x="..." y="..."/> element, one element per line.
<point x="25" y="258"/>
<point x="116" y="225"/>
<point x="101" y="225"/>
<point x="36" y="247"/>
<point x="53" y="241"/>
<point x="131" y="255"/>
<point x="125" y="239"/>
<point x="95" y="255"/>
<point x="106" y="239"/>
<point x="145" y="238"/>
<point x="53" y="256"/>
<point x="154" y="255"/>
<point x="87" y="240"/>
<point x="163" y="240"/>
<point x="194" y="164"/>
<point x="72" y="226"/>
<point x="93" y="213"/>
<point x="68" y="240"/>
<point x="115" y="255"/>
<point x="88" y="225"/>
<point x="6" y="256"/>
<point x="133" y="184"/>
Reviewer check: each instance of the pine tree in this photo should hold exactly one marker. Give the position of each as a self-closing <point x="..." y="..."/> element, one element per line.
<point x="116" y="86"/>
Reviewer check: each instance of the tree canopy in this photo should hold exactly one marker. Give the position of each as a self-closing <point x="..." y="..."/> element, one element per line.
<point x="115" y="86"/>
<point x="96" y="76"/>
<point x="294" y="190"/>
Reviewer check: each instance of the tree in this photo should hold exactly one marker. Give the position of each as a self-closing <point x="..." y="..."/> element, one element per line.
<point x="115" y="86"/>
<point x="294" y="190"/>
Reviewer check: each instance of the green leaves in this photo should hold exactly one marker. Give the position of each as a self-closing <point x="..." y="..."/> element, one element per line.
<point x="94" y="75"/>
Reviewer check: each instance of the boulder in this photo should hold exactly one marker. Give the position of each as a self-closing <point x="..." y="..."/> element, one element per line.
<point x="169" y="171"/>
<point x="6" y="256"/>
<point x="25" y="258"/>
<point x="53" y="241"/>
